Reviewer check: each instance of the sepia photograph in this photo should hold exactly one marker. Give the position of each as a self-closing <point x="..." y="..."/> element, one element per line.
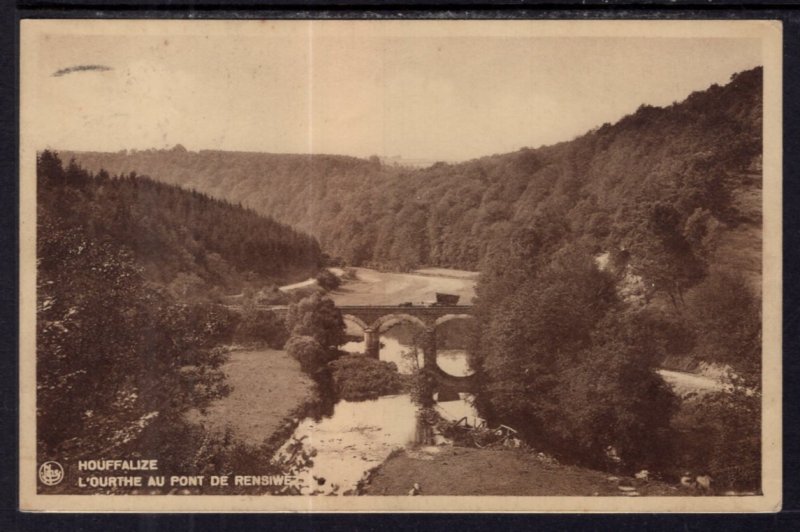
<point x="396" y="265"/>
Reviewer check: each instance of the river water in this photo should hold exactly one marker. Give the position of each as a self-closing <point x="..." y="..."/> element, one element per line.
<point x="331" y="455"/>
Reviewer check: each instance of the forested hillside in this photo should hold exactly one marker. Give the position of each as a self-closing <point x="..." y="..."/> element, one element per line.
<point x="701" y="156"/>
<point x="570" y="341"/>
<point x="196" y="246"/>
<point x="128" y="335"/>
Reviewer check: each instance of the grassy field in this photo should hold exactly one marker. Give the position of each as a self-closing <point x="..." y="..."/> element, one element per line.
<point x="469" y="471"/>
<point x="267" y="387"/>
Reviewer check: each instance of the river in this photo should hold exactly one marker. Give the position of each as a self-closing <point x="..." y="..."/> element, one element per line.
<point x="337" y="451"/>
<point x="331" y="455"/>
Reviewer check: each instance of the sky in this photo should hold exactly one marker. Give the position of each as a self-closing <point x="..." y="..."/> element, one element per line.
<point x="419" y="91"/>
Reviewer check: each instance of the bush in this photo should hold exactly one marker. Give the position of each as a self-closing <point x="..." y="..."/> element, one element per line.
<point x="306" y="350"/>
<point x="358" y="378"/>
<point x="272" y="296"/>
<point x="317" y="316"/>
<point x="423" y="385"/>
<point x="262" y="326"/>
<point x="613" y="397"/>
<point x="727" y="319"/>
<point x="327" y="280"/>
<point x="721" y="437"/>
<point x="190" y="449"/>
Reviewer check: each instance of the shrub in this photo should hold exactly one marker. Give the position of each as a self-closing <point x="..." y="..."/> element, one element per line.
<point x="327" y="280"/>
<point x="423" y="385"/>
<point x="727" y="319"/>
<point x="317" y="316"/>
<point x="357" y="377"/>
<point x="613" y="397"/>
<point x="272" y="296"/>
<point x="262" y="326"/>
<point x="350" y="274"/>
<point x="306" y="350"/>
<point x="721" y="437"/>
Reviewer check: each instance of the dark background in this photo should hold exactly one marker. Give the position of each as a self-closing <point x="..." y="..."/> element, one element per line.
<point x="11" y="519"/>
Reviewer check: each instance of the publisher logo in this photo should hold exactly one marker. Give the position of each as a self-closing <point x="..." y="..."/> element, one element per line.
<point x="51" y="473"/>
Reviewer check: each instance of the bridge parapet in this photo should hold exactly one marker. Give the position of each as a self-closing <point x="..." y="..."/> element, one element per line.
<point x="378" y="317"/>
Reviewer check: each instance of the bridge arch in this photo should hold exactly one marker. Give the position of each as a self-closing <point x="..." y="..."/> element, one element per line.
<point x="356" y="320"/>
<point x="383" y="323"/>
<point x="450" y="317"/>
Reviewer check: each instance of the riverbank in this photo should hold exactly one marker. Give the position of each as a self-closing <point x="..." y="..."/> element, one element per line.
<point x="450" y="470"/>
<point x="268" y="392"/>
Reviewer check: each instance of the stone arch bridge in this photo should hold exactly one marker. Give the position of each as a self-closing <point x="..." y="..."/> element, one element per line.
<point x="376" y="319"/>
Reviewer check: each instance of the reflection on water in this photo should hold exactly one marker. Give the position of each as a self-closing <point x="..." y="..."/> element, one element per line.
<point x="358" y="437"/>
<point x="397" y="345"/>
<point x="391" y="351"/>
<point x="454" y="362"/>
<point x="330" y="455"/>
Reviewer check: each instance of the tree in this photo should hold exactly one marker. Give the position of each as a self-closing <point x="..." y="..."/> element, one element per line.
<point x="112" y="353"/>
<point x="357" y="378"/>
<point x="562" y="362"/>
<point x="328" y="280"/>
<point x="661" y="254"/>
<point x="308" y="352"/>
<point x="262" y="326"/>
<point x="528" y="339"/>
<point x="117" y="358"/>
<point x="726" y="315"/>
<point x="612" y="397"/>
<point x="724" y="436"/>
<point x="318" y="317"/>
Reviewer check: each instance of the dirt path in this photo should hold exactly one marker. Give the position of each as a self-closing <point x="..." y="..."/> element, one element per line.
<point x="268" y="386"/>
<point x="302" y="284"/>
<point x="448" y="470"/>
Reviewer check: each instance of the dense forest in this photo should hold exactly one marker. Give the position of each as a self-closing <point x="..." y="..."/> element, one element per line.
<point x="124" y="347"/>
<point x="196" y="246"/>
<point x="570" y="339"/>
<point x="702" y="156"/>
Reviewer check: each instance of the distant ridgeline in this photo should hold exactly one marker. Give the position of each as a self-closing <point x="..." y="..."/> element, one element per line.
<point x="700" y="157"/>
<point x="195" y="246"/>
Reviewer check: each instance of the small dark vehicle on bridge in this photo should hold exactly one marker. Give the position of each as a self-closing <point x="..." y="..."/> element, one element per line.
<point x="443" y="300"/>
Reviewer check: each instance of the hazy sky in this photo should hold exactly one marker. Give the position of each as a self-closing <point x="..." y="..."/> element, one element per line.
<point x="357" y="89"/>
